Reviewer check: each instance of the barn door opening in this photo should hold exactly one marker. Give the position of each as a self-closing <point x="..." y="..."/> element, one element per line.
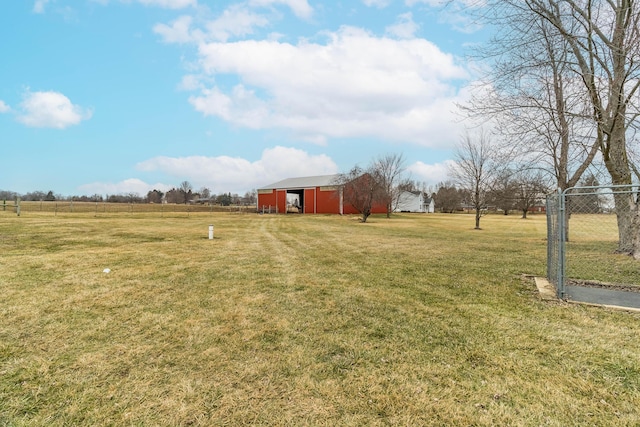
<point x="295" y="201"/>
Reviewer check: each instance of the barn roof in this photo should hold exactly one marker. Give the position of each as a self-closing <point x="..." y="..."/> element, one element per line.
<point x="303" y="182"/>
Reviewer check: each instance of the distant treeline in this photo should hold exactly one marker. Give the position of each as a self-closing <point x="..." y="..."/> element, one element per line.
<point x="184" y="194"/>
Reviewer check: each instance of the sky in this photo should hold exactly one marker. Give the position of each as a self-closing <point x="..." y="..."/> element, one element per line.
<point x="126" y="96"/>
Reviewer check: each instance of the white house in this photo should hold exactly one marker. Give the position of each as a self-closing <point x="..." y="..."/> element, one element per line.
<point x="415" y="201"/>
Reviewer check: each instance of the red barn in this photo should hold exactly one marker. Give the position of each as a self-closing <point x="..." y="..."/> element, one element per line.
<point x="311" y="194"/>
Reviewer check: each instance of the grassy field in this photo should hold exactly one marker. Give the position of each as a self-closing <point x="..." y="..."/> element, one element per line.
<point x="299" y="320"/>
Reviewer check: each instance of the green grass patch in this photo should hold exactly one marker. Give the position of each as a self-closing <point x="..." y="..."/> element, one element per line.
<point x="299" y="320"/>
<point x="591" y="251"/>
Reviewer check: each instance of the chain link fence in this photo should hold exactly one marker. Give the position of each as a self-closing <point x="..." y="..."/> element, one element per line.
<point x="584" y="242"/>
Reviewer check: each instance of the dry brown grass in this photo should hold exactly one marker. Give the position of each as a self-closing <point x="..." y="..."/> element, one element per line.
<point x="299" y="320"/>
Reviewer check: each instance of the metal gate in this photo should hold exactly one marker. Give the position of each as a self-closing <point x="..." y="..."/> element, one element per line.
<point x="583" y="239"/>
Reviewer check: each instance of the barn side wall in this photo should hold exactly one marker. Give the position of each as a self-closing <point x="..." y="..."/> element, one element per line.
<point x="321" y="200"/>
<point x="281" y="201"/>
<point x="266" y="200"/>
<point x="328" y="200"/>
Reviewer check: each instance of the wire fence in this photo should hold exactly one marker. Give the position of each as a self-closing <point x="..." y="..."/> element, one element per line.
<point x="55" y="208"/>
<point x="587" y="228"/>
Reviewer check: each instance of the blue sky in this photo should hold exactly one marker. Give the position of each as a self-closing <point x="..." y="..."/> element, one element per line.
<point x="120" y="96"/>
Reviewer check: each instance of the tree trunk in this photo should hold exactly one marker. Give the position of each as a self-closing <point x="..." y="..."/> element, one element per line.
<point x="614" y="152"/>
<point x="478" y="214"/>
<point x="617" y="164"/>
<point x="365" y="215"/>
<point x="628" y="235"/>
<point x="635" y="227"/>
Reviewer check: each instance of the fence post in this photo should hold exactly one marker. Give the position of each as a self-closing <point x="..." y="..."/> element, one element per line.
<point x="562" y="238"/>
<point x="551" y="238"/>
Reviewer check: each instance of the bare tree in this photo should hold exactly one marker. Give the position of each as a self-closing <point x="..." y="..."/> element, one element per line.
<point x="250" y="197"/>
<point x="185" y="190"/>
<point x="530" y="189"/>
<point x="204" y="192"/>
<point x="602" y="39"/>
<point x="173" y="196"/>
<point x="537" y="103"/>
<point x="501" y="193"/>
<point x="586" y="200"/>
<point x="7" y="195"/>
<point x="224" y="199"/>
<point x="408" y="184"/>
<point x="474" y="169"/>
<point x="361" y="190"/>
<point x="133" y="197"/>
<point x="388" y="171"/>
<point x="154" y="196"/>
<point x="447" y="198"/>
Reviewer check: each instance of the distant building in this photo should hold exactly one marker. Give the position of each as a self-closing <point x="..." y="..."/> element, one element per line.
<point x="203" y="201"/>
<point x="311" y="195"/>
<point x="415" y="201"/>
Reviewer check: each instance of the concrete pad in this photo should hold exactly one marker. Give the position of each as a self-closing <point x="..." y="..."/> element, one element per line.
<point x="609" y="298"/>
<point x="546" y="290"/>
<point x="615" y="300"/>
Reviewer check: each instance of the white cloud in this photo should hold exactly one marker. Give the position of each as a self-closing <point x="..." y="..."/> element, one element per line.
<point x="169" y="4"/>
<point x="51" y="110"/>
<point x="236" y="174"/>
<point x="355" y="85"/>
<point x="404" y="28"/>
<point x="38" y="6"/>
<point x="177" y="32"/>
<point x="190" y="82"/>
<point x="237" y="20"/>
<point x="300" y="8"/>
<point x="127" y="186"/>
<point x="431" y="174"/>
<point x="380" y="4"/>
<point x="432" y="3"/>
<point x="4" y="108"/>
<point x="455" y="4"/>
<point x="457" y="13"/>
